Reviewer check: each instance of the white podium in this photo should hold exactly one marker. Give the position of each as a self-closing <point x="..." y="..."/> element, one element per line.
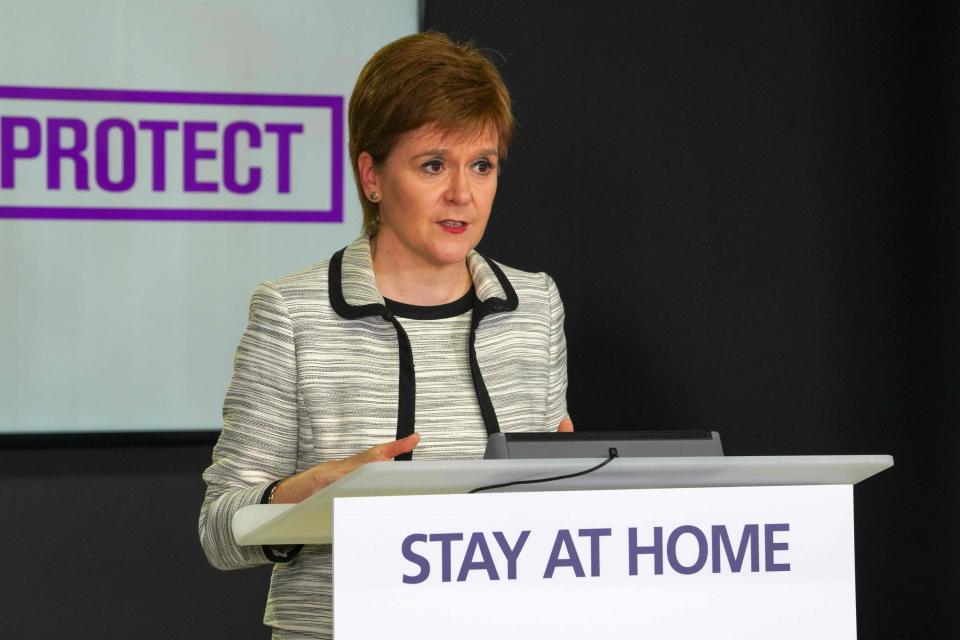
<point x="719" y="547"/>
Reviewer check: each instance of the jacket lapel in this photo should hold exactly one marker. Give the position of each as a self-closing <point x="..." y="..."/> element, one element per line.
<point x="353" y="284"/>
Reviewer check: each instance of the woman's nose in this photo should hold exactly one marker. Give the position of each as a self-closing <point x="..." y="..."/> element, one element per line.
<point x="458" y="189"/>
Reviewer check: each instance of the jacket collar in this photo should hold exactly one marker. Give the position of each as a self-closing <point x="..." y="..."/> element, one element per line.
<point x="353" y="285"/>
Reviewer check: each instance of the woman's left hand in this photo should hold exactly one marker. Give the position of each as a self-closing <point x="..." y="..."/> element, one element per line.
<point x="565" y="425"/>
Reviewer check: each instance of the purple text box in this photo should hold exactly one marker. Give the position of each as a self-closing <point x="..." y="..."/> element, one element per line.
<point x="334" y="103"/>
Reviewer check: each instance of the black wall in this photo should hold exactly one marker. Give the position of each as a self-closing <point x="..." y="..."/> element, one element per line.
<point x="749" y="209"/>
<point x="100" y="541"/>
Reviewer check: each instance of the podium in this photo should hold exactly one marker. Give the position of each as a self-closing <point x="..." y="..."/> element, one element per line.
<point x="719" y="547"/>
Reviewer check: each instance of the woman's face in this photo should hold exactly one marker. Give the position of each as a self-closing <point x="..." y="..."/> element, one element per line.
<point x="436" y="190"/>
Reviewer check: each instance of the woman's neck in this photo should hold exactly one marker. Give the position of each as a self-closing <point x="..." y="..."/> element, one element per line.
<point x="418" y="283"/>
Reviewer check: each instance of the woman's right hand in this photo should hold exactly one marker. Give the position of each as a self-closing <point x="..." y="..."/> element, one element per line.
<point x="306" y="483"/>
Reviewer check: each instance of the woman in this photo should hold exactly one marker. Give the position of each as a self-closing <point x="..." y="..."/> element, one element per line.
<point x="407" y="327"/>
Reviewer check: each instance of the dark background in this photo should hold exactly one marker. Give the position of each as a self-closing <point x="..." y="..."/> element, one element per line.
<point x="750" y="210"/>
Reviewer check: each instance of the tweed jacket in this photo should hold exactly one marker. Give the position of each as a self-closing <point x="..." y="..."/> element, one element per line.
<point x="324" y="371"/>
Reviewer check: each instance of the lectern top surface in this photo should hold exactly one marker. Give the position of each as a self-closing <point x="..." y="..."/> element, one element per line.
<point x="460" y="476"/>
<point x="311" y="520"/>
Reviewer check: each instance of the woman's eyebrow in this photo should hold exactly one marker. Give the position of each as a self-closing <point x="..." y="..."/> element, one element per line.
<point x="431" y="152"/>
<point x="443" y="152"/>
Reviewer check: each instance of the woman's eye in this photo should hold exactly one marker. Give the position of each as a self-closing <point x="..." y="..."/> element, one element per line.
<point x="484" y="166"/>
<point x="434" y="166"/>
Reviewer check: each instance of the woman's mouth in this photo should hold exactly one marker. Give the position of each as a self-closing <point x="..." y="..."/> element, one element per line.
<point x="453" y="226"/>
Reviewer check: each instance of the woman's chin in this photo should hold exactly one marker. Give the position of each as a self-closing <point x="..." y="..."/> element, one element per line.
<point x="444" y="256"/>
<point x="455" y="249"/>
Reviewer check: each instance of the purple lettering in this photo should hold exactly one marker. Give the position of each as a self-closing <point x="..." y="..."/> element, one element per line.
<point x="721" y="542"/>
<point x="56" y="152"/>
<point x="230" y="157"/>
<point x="656" y="550"/>
<point x="283" y="131"/>
<point x="191" y="154"/>
<point x="511" y="553"/>
<point x="701" y="552"/>
<point x="564" y="541"/>
<point x="128" y="160"/>
<point x="445" y="539"/>
<point x="158" y="140"/>
<point x="9" y="151"/>
<point x="769" y="546"/>
<point x="415" y="558"/>
<point x="477" y="543"/>
<point x="594" y="535"/>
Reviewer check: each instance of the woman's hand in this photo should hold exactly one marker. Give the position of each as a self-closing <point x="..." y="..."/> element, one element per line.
<point x="565" y="425"/>
<point x="306" y="483"/>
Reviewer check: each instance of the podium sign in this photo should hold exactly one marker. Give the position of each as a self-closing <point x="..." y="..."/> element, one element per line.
<point x="742" y="562"/>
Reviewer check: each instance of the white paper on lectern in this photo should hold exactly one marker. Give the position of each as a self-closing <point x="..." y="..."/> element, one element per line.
<point x="814" y="599"/>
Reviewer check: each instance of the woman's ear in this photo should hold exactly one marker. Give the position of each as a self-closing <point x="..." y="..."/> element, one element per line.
<point x="369" y="179"/>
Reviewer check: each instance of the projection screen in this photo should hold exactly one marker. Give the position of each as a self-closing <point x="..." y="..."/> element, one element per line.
<point x="157" y="161"/>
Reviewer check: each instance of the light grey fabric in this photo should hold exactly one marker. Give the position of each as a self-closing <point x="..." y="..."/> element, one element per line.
<point x="310" y="386"/>
<point x="447" y="414"/>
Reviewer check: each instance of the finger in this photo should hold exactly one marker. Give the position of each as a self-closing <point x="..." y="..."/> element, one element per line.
<point x="393" y="449"/>
<point x="566" y="425"/>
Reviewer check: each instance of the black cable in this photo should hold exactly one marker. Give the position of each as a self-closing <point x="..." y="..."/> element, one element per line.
<point x="613" y="454"/>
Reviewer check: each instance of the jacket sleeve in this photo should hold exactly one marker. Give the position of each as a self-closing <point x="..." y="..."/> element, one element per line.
<point x="258" y="443"/>
<point x="557" y="383"/>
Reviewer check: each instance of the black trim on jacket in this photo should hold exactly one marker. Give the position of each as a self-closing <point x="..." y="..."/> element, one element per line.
<point x="406" y="401"/>
<point x="283" y="554"/>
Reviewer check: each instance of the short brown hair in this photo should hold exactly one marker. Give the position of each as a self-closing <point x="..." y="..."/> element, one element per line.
<point x="422" y="79"/>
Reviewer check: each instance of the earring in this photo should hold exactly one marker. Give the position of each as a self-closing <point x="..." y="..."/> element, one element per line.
<point x="374" y="196"/>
